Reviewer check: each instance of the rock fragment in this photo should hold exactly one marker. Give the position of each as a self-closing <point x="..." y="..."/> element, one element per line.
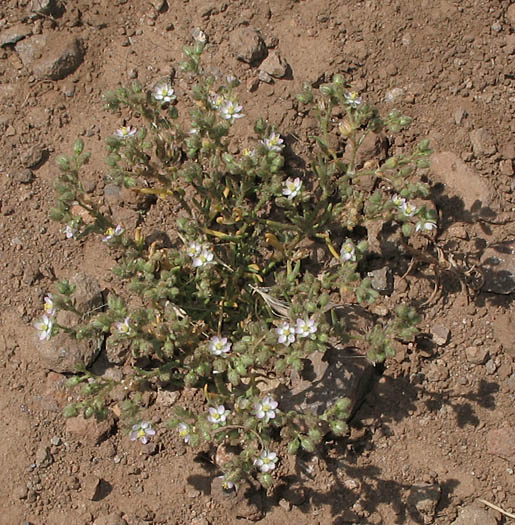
<point x="90" y="430"/>
<point x="44" y="7"/>
<point x="91" y="487"/>
<point x="382" y="280"/>
<point x="60" y="59"/>
<point x="34" y="156"/>
<point x="43" y="457"/>
<point x="114" y="518"/>
<point x="247" y="45"/>
<point x="23" y="176"/>
<point x="440" y="334"/>
<point x="14" y="34"/>
<point x="422" y="502"/>
<point x="482" y="142"/>
<point x="476" y="355"/>
<point x="275" y="65"/>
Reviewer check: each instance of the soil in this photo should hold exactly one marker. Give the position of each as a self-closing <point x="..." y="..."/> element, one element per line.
<point x="435" y="433"/>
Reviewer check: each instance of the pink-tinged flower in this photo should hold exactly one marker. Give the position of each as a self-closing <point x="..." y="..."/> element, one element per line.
<point x="398" y="201"/>
<point x="265" y="409"/>
<point x="124" y="326"/>
<point x="231" y="111"/>
<point x="164" y="93"/>
<point x="286" y="333"/>
<point x="219" y="346"/>
<point x="184" y="432"/>
<point x="352" y="99"/>
<point x="70" y="231"/>
<point x="110" y="233"/>
<point x="45" y="326"/>
<point x="305" y="328"/>
<point x="125" y="132"/>
<point x="274" y="142"/>
<point x="217" y="415"/>
<point x="49" y="306"/>
<point x="142" y="431"/>
<point x="292" y="188"/>
<point x="408" y="209"/>
<point x="266" y="461"/>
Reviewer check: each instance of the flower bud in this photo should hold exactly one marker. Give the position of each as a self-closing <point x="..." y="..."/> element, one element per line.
<point x="346" y="128"/>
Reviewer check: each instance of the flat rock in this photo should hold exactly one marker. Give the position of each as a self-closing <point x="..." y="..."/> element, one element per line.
<point x="440" y="334"/>
<point x="14" y="34"/>
<point x="501" y="442"/>
<point x="498" y="264"/>
<point x="382" y="280"/>
<point x="90" y="430"/>
<point x="275" y="65"/>
<point x="474" y="516"/>
<point x="459" y="180"/>
<point x="61" y="57"/>
<point x="247" y="45"/>
<point x="31" y="49"/>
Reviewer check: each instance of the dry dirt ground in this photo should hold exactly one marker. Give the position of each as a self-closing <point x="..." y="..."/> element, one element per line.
<point x="436" y="433"/>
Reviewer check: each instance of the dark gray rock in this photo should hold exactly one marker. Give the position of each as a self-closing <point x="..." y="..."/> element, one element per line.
<point x="382" y="280"/>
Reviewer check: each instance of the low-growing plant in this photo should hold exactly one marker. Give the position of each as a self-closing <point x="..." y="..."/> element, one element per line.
<point x="236" y="297"/>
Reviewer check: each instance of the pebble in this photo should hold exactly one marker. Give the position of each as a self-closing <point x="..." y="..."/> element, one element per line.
<point x="275" y="65"/>
<point x="482" y="142"/>
<point x="490" y="367"/>
<point x="247" y="45"/>
<point x="440" y="334"/>
<point x="476" y="355"/>
<point x="381" y="280"/>
<point x="23" y="176"/>
<point x="43" y="457"/>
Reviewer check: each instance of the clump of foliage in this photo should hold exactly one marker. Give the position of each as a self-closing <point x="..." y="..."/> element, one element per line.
<point x="238" y="297"/>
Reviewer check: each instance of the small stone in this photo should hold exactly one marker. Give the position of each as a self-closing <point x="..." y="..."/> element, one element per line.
<point x="422" y="501"/>
<point x="247" y="45"/>
<point x="90" y="430"/>
<point x="275" y="65"/>
<point x="382" y="280"/>
<point x="252" y="84"/>
<point x="263" y="76"/>
<point x="43" y="457"/>
<point x="440" y="334"/>
<point x="91" y="487"/>
<point x="474" y="516"/>
<point x="43" y="7"/>
<point x="496" y="27"/>
<point x="459" y="115"/>
<point x="482" y="143"/>
<point x="167" y="398"/>
<point x="498" y="264"/>
<point x="490" y="367"/>
<point x="14" y="34"/>
<point x="33" y="157"/>
<point x="476" y="355"/>
<point x="23" y="176"/>
<point x="56" y="441"/>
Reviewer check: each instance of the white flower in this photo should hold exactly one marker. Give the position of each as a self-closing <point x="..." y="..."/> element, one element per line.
<point x="274" y="142"/>
<point x="70" y="231"/>
<point x="45" y="326"/>
<point x="142" y="431"/>
<point x="164" y="92"/>
<point x="204" y="257"/>
<point x="247" y="152"/>
<point x="348" y="251"/>
<point x="49" y="306"/>
<point x="266" y="461"/>
<point x="408" y="209"/>
<point x="193" y="249"/>
<point x="425" y="225"/>
<point x="199" y="35"/>
<point x="112" y="232"/>
<point x="217" y="415"/>
<point x="265" y="409"/>
<point x="216" y="100"/>
<point x="286" y="333"/>
<point x="228" y="485"/>
<point x="305" y="328"/>
<point x="125" y="132"/>
<point x="219" y="346"/>
<point x="231" y="111"/>
<point x="352" y="99"/>
<point x="184" y="432"/>
<point x="398" y="201"/>
<point x="123" y="327"/>
<point x="292" y="188"/>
